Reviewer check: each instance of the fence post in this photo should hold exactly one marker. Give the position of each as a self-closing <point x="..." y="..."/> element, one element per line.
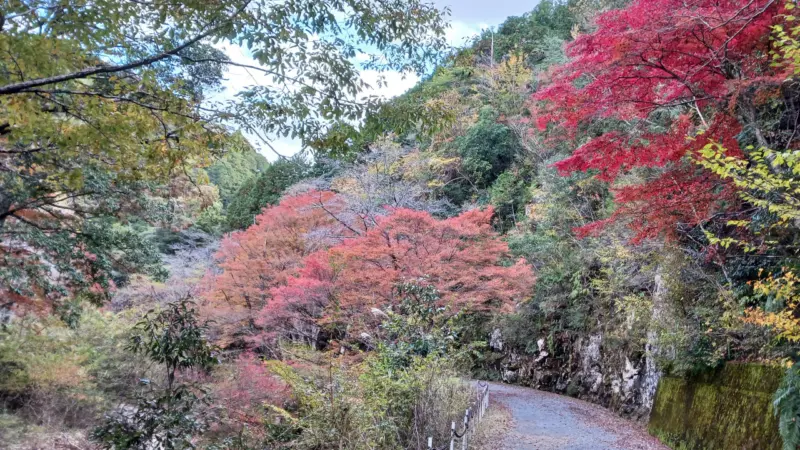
<point x="472" y="416"/>
<point x="466" y="424"/>
<point x="480" y="401"/>
<point x="474" y="419"/>
<point x="486" y="399"/>
<point x="452" y="435"/>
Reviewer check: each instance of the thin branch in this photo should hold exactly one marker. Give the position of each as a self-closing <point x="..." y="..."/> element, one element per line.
<point x="15" y="88"/>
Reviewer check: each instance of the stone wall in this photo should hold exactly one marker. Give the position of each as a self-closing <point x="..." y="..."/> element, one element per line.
<point x="730" y="408"/>
<point x="589" y="367"/>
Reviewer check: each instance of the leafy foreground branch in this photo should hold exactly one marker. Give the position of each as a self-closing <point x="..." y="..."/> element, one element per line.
<point x="167" y="416"/>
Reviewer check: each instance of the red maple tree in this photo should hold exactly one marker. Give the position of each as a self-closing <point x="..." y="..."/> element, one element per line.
<point x="704" y="60"/>
<point x="462" y="256"/>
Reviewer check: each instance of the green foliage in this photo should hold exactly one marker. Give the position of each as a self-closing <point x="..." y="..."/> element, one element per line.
<point x="212" y="220"/>
<point x="240" y="163"/>
<point x="527" y="35"/>
<point x="418" y="326"/>
<point x="787" y="407"/>
<point x="562" y="295"/>
<point x="508" y="195"/>
<point x="57" y="375"/>
<point x="86" y="244"/>
<point x="787" y="48"/>
<point x="265" y="189"/>
<point x="768" y="180"/>
<point x="375" y="405"/>
<point x="487" y="149"/>
<point x="411" y="116"/>
<point x="409" y="388"/>
<point x="167" y="416"/>
<point x="173" y="337"/>
<point x="169" y="421"/>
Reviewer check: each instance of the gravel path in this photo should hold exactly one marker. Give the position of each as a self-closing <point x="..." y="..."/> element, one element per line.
<point x="546" y="421"/>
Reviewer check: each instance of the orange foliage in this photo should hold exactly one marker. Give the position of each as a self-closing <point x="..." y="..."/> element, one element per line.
<point x="462" y="256"/>
<point x="256" y="260"/>
<point x="783" y="289"/>
<point x="304" y="272"/>
<point x="244" y="392"/>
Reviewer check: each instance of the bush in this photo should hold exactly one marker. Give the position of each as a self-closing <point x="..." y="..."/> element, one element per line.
<point x="168" y="415"/>
<point x="58" y="376"/>
<point x="375" y="404"/>
<point x="263" y="190"/>
<point x="487" y="149"/>
<point x="509" y="194"/>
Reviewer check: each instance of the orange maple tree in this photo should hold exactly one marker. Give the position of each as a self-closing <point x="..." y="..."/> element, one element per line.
<point x="341" y="287"/>
<point x="253" y="261"/>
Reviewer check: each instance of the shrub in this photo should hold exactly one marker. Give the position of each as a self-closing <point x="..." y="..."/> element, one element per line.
<point x="167" y="416"/>
<point x="376" y="404"/>
<point x="56" y="375"/>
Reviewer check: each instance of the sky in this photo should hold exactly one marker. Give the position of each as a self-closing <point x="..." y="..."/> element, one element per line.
<point x="467" y="18"/>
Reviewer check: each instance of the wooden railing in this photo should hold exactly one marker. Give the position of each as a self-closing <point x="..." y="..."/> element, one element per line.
<point x="472" y="416"/>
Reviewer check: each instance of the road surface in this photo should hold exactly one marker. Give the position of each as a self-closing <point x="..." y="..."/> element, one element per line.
<point x="546" y="421"/>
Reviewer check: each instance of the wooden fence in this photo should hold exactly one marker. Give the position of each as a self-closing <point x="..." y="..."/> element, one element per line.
<point x="472" y="416"/>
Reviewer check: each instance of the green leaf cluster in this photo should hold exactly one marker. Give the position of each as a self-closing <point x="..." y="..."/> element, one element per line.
<point x="264" y="189"/>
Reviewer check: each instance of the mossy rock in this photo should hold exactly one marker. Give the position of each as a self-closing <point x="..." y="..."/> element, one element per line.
<point x="728" y="408"/>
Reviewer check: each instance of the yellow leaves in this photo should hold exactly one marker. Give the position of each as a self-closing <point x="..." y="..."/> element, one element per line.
<point x="511" y="74"/>
<point x="783" y="289"/>
<point x="101" y="128"/>
<point x="58" y="370"/>
<point x="282" y="413"/>
<point x="787" y="48"/>
<point x="766" y="178"/>
<point x="345" y="184"/>
<point x="727" y="242"/>
<point x="438" y="163"/>
<point x="738" y="223"/>
<point x="784" y="322"/>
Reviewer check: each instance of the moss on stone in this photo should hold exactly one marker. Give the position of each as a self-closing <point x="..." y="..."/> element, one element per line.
<point x="728" y="408"/>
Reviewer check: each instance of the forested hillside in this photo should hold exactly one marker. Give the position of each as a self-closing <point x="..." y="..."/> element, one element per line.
<point x="591" y="196"/>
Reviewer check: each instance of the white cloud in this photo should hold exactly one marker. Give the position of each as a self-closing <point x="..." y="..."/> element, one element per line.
<point x="395" y="83"/>
<point x="238" y="78"/>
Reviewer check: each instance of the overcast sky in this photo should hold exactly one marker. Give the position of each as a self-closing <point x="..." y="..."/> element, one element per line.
<point x="467" y="18"/>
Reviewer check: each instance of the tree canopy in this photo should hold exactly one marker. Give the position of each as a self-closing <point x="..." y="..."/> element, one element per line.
<point x="673" y="70"/>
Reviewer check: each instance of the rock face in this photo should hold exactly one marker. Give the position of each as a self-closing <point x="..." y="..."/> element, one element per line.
<point x="652" y="374"/>
<point x="496" y="341"/>
<point x="589" y="368"/>
<point x="617" y="370"/>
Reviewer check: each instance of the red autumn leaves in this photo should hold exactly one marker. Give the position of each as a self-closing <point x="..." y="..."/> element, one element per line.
<point x="643" y="65"/>
<point x="304" y="266"/>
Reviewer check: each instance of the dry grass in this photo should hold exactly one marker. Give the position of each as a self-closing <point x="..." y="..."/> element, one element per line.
<point x="17" y="435"/>
<point x="493" y="428"/>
